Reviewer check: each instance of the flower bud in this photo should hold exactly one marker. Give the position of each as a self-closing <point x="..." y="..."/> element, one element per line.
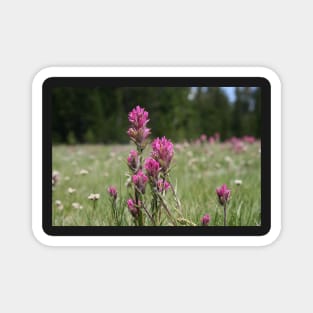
<point x="112" y="192"/>
<point x="223" y="194"/>
<point x="205" y="219"/>
<point x="132" y="160"/>
<point x="132" y="208"/>
<point x="140" y="180"/>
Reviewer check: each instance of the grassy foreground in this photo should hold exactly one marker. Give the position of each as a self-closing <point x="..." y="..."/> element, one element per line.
<point x="196" y="172"/>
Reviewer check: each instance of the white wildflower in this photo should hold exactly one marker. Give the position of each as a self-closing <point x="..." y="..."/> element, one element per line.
<point x="55" y="177"/>
<point x="76" y="205"/>
<point x="59" y="205"/>
<point x="71" y="190"/>
<point x="94" y="196"/>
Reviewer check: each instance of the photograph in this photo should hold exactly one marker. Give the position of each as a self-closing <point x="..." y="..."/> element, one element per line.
<point x="156" y="156"/>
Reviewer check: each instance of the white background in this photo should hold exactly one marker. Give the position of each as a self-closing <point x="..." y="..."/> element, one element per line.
<point x="36" y="34"/>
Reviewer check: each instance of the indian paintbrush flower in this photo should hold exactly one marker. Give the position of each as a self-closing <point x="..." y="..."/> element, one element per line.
<point x="152" y="168"/>
<point x="140" y="180"/>
<point x="248" y="139"/>
<point x="133" y="161"/>
<point x="138" y="117"/>
<point x="138" y="132"/>
<point x="132" y="208"/>
<point x="223" y="194"/>
<point x="112" y="192"/>
<point x="203" y="138"/>
<point x="139" y="136"/>
<point x="163" y="152"/>
<point x="205" y="219"/>
<point x="163" y="185"/>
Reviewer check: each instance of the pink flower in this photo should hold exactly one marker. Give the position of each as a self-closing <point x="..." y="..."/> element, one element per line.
<point x="138" y="132"/>
<point x="237" y="144"/>
<point x="248" y="139"/>
<point x="140" y="180"/>
<point x="163" y="186"/>
<point x="223" y="194"/>
<point x="132" y="160"/>
<point x="138" y="117"/>
<point x="233" y="140"/>
<point x="197" y="141"/>
<point x="203" y="138"/>
<point x="163" y="152"/>
<point x="132" y="208"/>
<point x="152" y="167"/>
<point x="112" y="192"/>
<point x="139" y="135"/>
<point x="211" y="140"/>
<point x="205" y="219"/>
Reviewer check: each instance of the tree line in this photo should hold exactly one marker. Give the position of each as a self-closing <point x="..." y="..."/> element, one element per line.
<point x="99" y="115"/>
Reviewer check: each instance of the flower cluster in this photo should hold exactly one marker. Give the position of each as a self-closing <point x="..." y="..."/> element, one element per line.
<point x="239" y="144"/>
<point x="205" y="219"/>
<point x="140" y="180"/>
<point x="210" y="139"/>
<point x="249" y="139"/>
<point x="133" y="208"/>
<point x="163" y="185"/>
<point x="112" y="192"/>
<point x="155" y="170"/>
<point x="138" y="132"/>
<point x="163" y="152"/>
<point x="223" y="194"/>
<point x="133" y="161"/>
<point x="152" y="168"/>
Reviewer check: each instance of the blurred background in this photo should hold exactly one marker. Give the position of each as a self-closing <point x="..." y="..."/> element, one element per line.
<point x="99" y="115"/>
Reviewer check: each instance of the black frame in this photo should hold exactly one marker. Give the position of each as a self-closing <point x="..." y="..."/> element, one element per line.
<point x="157" y="230"/>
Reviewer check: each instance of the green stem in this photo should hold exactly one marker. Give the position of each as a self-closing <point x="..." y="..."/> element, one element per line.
<point x="167" y="210"/>
<point x="175" y="197"/>
<point x="148" y="214"/>
<point x="140" y="217"/>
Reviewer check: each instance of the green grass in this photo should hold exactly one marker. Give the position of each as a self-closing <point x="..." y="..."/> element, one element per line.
<point x="196" y="172"/>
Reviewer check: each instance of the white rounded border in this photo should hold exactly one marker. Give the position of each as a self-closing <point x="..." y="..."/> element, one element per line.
<point x="42" y="237"/>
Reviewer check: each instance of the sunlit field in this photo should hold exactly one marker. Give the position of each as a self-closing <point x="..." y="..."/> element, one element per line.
<point x="197" y="169"/>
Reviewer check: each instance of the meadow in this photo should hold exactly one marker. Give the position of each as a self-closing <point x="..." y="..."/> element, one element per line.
<point x="197" y="169"/>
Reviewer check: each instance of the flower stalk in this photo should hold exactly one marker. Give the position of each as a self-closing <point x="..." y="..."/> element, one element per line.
<point x="223" y="195"/>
